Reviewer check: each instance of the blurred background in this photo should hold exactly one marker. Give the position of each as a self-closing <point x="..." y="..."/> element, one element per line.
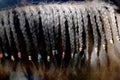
<point x="9" y="3"/>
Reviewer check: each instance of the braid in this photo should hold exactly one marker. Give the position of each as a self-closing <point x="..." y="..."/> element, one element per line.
<point x="7" y="27"/>
<point x="36" y="20"/>
<point x="30" y="17"/>
<point x="76" y="27"/>
<point x="2" y="31"/>
<point x="63" y="30"/>
<point x="22" y="21"/>
<point x="48" y="24"/>
<point x="11" y="18"/>
<point x="70" y="27"/>
<point x="51" y="24"/>
<point x="45" y="22"/>
<point x="80" y="26"/>
<point x="85" y="21"/>
<point x="56" y="22"/>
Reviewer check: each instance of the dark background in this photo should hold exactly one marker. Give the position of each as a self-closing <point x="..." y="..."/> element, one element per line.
<point x="9" y="3"/>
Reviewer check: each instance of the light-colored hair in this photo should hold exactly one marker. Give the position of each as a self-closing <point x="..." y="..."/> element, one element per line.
<point x="80" y="40"/>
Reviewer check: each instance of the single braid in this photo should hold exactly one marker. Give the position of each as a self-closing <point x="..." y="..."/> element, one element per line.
<point x="22" y="21"/>
<point x="63" y="29"/>
<point x="76" y="27"/>
<point x="6" y="26"/>
<point x="48" y="31"/>
<point x="45" y="26"/>
<point x="11" y="18"/>
<point x="51" y="27"/>
<point x="80" y="26"/>
<point x="30" y="17"/>
<point x="2" y="31"/>
<point x="85" y="24"/>
<point x="37" y="24"/>
<point x="56" y="22"/>
<point x="69" y="16"/>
